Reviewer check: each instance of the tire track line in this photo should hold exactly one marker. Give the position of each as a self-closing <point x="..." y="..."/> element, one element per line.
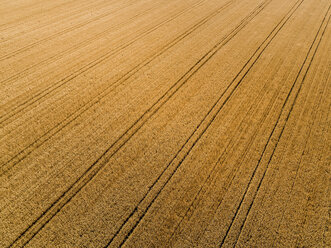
<point x="262" y="199"/>
<point x="19" y="108"/>
<point x="233" y="174"/>
<point x="264" y="116"/>
<point x="302" y="72"/>
<point x="231" y="144"/>
<point x="145" y="211"/>
<point x="79" y="25"/>
<point x="326" y="22"/>
<point x="56" y="129"/>
<point x="244" y="154"/>
<point x="135" y="212"/>
<point x="311" y="125"/>
<point x="246" y="150"/>
<point x="11" y="105"/>
<point x="91" y="172"/>
<point x="117" y="79"/>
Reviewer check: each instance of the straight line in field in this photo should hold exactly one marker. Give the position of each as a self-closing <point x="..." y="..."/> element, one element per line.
<point x="91" y="172"/>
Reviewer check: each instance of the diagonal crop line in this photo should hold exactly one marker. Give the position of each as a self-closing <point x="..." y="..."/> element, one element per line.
<point x="303" y="72"/>
<point x="48" y="90"/>
<point x="186" y="154"/>
<point x="89" y="174"/>
<point x="267" y="41"/>
<point x="57" y="128"/>
<point x="230" y="145"/>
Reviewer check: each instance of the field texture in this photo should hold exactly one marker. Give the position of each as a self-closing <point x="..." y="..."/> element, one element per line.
<point x="165" y="123"/>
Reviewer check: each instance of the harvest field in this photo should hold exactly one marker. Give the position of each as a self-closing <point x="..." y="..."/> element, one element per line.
<point x="165" y="123"/>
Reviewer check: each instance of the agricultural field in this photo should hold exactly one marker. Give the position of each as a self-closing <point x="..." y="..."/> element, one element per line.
<point x="165" y="123"/>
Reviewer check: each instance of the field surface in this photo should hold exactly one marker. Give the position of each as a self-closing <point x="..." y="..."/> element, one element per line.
<point x="165" y="123"/>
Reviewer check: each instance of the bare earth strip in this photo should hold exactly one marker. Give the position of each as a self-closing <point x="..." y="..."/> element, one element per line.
<point x="142" y="123"/>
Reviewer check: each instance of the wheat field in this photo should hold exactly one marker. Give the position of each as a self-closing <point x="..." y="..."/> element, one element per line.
<point x="165" y="123"/>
